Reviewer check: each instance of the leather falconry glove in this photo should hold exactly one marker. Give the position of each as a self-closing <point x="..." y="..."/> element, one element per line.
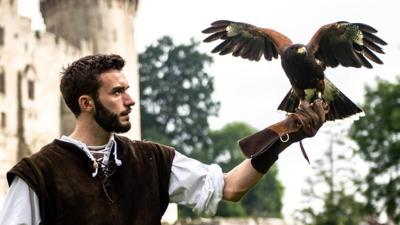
<point x="264" y="146"/>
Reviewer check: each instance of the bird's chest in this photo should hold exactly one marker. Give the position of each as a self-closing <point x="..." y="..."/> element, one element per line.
<point x="302" y="72"/>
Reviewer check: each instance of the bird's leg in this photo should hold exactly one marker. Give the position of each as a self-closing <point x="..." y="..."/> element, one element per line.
<point x="320" y="88"/>
<point x="300" y="93"/>
<point x="319" y="94"/>
<point x="303" y="101"/>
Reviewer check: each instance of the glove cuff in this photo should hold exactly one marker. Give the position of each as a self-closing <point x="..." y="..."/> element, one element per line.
<point x="263" y="148"/>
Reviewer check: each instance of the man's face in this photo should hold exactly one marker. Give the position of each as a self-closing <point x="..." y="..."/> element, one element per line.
<point x="113" y="104"/>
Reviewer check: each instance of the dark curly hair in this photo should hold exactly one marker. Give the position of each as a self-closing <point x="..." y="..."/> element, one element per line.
<point x="82" y="78"/>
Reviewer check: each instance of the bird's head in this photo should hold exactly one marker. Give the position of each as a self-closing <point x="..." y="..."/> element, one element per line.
<point x="299" y="49"/>
<point x="295" y="52"/>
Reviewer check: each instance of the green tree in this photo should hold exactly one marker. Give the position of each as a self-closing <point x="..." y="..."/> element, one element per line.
<point x="176" y="95"/>
<point x="333" y="187"/>
<point x="378" y="138"/>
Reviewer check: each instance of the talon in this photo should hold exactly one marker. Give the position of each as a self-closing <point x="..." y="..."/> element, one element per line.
<point x="303" y="102"/>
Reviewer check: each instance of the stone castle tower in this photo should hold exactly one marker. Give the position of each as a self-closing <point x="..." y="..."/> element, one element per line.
<point x="108" y="26"/>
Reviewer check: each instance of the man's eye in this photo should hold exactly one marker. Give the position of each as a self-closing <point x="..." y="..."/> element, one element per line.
<point x="118" y="92"/>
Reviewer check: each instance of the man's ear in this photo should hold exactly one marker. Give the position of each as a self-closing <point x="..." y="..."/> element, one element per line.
<point x="86" y="103"/>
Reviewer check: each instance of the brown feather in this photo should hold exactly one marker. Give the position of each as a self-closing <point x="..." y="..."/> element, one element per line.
<point x="280" y="41"/>
<point x="245" y="51"/>
<point x="374" y="38"/>
<point x="370" y="55"/>
<point x="241" y="44"/>
<point x="220" y="46"/>
<point x="372" y="46"/>
<point x="365" y="27"/>
<point x="231" y="46"/>
<point x="344" y="55"/>
<point x="275" y="51"/>
<point x="364" y="61"/>
<point x="328" y="56"/>
<point x="357" y="62"/>
<point x="254" y="52"/>
<point x="268" y="52"/>
<point x="219" y="23"/>
<point x="357" y="47"/>
<point x="228" y="48"/>
<point x="215" y="36"/>
<point x="214" y="30"/>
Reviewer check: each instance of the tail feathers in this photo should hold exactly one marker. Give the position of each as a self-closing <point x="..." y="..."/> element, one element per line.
<point x="290" y="102"/>
<point x="340" y="106"/>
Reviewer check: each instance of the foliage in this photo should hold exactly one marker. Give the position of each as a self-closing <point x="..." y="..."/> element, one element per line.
<point x="176" y="102"/>
<point x="176" y="95"/>
<point x="334" y="187"/>
<point x="378" y="138"/>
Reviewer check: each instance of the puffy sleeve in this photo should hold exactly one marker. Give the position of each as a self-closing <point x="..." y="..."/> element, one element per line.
<point x="196" y="185"/>
<point x="21" y="205"/>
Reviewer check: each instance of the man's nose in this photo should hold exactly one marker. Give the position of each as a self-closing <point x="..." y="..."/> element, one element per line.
<point x="128" y="100"/>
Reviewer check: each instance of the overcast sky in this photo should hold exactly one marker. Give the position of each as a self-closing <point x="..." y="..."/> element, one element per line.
<point x="251" y="91"/>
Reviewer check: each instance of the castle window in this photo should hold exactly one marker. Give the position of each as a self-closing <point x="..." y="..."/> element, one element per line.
<point x="3" y="119"/>
<point x="11" y="2"/>
<point x="37" y="35"/>
<point x="1" y="36"/>
<point x="31" y="89"/>
<point x="2" y="82"/>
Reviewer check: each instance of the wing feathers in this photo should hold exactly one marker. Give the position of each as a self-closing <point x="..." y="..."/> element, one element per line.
<point x="220" y="46"/>
<point x="246" y="40"/>
<point x="348" y="44"/>
<point x="370" y="55"/>
<point x="365" y="27"/>
<point x="373" y="38"/>
<point x="372" y="46"/>
<point x="220" y="23"/>
<point x="216" y="36"/>
<point x="213" y="30"/>
<point x="364" y="61"/>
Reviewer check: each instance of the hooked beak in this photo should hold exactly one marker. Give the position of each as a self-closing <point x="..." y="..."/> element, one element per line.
<point x="301" y="50"/>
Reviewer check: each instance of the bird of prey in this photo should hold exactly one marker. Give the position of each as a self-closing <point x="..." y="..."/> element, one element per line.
<point x="340" y="43"/>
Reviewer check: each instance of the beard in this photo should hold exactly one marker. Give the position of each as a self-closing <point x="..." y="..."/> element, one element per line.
<point x="108" y="120"/>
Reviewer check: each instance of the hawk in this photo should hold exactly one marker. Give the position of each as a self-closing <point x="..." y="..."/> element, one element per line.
<point x="340" y="43"/>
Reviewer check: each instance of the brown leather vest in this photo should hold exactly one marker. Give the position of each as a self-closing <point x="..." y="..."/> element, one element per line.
<point x="136" y="193"/>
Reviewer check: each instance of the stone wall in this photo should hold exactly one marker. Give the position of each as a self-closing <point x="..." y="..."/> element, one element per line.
<point x="30" y="104"/>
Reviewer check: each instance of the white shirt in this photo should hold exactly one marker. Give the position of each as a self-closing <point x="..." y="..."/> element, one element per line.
<point x="192" y="183"/>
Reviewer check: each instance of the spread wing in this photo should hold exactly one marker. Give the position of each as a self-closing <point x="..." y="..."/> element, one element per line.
<point x="347" y="44"/>
<point x="245" y="40"/>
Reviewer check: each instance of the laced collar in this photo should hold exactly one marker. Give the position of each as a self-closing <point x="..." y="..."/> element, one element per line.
<point x="109" y="149"/>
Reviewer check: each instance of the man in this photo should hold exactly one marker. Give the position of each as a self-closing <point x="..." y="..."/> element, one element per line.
<point x="94" y="176"/>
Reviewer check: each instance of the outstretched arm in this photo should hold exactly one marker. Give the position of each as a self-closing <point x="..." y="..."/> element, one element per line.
<point x="240" y="180"/>
<point x="263" y="148"/>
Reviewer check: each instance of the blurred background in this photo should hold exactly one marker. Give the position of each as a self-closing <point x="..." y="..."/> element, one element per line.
<point x="203" y="103"/>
